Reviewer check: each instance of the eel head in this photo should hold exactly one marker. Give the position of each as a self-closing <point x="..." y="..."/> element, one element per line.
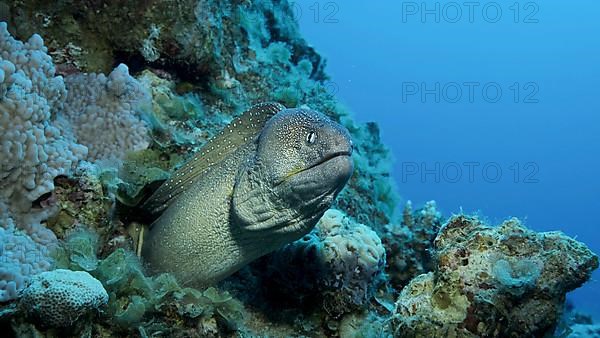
<point x="303" y="160"/>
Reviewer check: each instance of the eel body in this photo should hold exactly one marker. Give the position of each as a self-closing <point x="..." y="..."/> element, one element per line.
<point x="261" y="183"/>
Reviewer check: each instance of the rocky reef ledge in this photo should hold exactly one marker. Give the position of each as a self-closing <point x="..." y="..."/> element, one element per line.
<point x="99" y="101"/>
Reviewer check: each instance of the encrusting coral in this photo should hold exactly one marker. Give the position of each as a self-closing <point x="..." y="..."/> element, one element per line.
<point x="493" y="281"/>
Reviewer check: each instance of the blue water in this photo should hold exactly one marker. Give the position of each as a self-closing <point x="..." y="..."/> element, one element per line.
<point x="531" y="151"/>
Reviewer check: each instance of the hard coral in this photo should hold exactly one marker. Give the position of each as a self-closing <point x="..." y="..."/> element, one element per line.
<point x="493" y="281"/>
<point x="340" y="261"/>
<point x="58" y="298"/>
<point x="20" y="257"/>
<point x="236" y="55"/>
<point x="355" y="259"/>
<point x="409" y="245"/>
<point x="104" y="113"/>
<point x="33" y="151"/>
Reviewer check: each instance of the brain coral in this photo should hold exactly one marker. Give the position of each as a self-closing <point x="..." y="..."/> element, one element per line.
<point x="58" y="298"/>
<point x="504" y="281"/>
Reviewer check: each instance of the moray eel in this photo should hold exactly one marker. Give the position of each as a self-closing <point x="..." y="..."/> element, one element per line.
<point x="262" y="182"/>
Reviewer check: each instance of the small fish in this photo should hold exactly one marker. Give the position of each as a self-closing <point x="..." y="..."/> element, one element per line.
<point x="262" y="182"/>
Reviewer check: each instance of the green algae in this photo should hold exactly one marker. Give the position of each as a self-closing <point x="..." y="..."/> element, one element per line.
<point x="140" y="301"/>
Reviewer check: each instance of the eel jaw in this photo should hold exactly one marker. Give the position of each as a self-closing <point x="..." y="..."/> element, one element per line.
<point x="327" y="158"/>
<point x="321" y="162"/>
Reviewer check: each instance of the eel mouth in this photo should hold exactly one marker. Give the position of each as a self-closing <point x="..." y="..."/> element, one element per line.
<point x="322" y="161"/>
<point x="325" y="159"/>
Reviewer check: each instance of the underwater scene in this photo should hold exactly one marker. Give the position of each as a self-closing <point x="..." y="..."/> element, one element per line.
<point x="275" y="168"/>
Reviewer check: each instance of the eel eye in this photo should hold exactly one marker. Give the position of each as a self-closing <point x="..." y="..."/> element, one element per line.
<point x="311" y="137"/>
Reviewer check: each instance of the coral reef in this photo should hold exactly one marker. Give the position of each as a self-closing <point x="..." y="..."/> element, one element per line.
<point x="174" y="116"/>
<point x="201" y="63"/>
<point x="364" y="325"/>
<point x="371" y="196"/>
<point x="201" y="36"/>
<point x="493" y="281"/>
<point x="575" y="324"/>
<point x="37" y="119"/>
<point x="60" y="297"/>
<point x="235" y="55"/>
<point x="340" y="262"/>
<point x="408" y="244"/>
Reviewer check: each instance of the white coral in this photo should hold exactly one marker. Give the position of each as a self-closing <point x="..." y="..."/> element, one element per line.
<point x="39" y="122"/>
<point x="104" y="113"/>
<point x="20" y="257"/>
<point x="353" y="251"/>
<point x="32" y="150"/>
<point x="58" y="298"/>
